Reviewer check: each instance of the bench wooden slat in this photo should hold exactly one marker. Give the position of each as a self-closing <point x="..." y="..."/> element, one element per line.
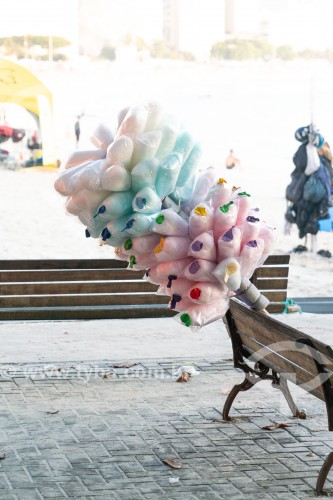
<point x="275" y="296"/>
<point x="272" y="272"/>
<point x="273" y="284"/>
<point x="84" y="300"/>
<point x="35" y="276"/>
<point x="62" y="264"/>
<point x="277" y="260"/>
<point x="77" y="287"/>
<point x="73" y="313"/>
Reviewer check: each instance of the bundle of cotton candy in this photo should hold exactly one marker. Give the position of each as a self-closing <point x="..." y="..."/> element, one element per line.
<point x="140" y="191"/>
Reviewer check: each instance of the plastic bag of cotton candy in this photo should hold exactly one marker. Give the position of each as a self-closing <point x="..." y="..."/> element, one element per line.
<point x="140" y="191"/>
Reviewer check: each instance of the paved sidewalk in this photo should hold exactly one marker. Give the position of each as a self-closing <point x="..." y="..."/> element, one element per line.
<point x="93" y="431"/>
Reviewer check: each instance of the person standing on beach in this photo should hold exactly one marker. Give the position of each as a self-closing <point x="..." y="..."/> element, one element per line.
<point x="77" y="129"/>
<point x="231" y="160"/>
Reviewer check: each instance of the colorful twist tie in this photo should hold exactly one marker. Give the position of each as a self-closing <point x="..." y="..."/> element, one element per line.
<point x="185" y="318"/>
<point x="194" y="267"/>
<point x="174" y="299"/>
<point x="195" y="293"/>
<point x="197" y="246"/>
<point x="252" y="244"/>
<point x="228" y="236"/>
<point x="128" y="244"/>
<point x="250" y="218"/>
<point x="101" y="210"/>
<point x="159" y="219"/>
<point x="129" y="224"/>
<point x="141" y="202"/>
<point x="225" y="208"/>
<point x="171" y="277"/>
<point x="132" y="261"/>
<point x="221" y="181"/>
<point x="87" y="233"/>
<point x="159" y="247"/>
<point x="243" y="193"/>
<point x="105" y="234"/>
<point x="200" y="211"/>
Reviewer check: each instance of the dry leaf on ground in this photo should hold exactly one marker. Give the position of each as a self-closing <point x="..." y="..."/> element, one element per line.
<point x="173" y="462"/>
<point x="275" y="426"/>
<point x="126" y="364"/>
<point x="185" y="377"/>
<point x="53" y="412"/>
<point x="311" y="454"/>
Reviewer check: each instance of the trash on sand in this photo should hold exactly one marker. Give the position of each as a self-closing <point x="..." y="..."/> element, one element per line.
<point x="275" y="426"/>
<point x="311" y="454"/>
<point x="173" y="480"/>
<point x="126" y="364"/>
<point x="185" y="377"/>
<point x="186" y="369"/>
<point x="173" y="462"/>
<point x="53" y="412"/>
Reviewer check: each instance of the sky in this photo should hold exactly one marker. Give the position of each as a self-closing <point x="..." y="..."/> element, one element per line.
<point x="302" y="23"/>
<point x="39" y="17"/>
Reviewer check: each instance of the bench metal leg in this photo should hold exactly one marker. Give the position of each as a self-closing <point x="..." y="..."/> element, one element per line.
<point x="323" y="474"/>
<point x="282" y="384"/>
<point x="244" y="386"/>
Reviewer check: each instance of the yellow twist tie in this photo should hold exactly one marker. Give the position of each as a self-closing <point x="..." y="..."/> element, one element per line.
<point x="221" y="181"/>
<point x="201" y="211"/>
<point x="229" y="271"/>
<point x="159" y="247"/>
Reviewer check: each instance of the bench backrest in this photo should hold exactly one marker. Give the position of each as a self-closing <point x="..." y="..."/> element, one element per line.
<point x="272" y="280"/>
<point x="303" y="360"/>
<point x="76" y="289"/>
<point x="102" y="288"/>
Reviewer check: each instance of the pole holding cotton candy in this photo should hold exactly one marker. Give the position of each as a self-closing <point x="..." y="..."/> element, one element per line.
<point x="143" y="192"/>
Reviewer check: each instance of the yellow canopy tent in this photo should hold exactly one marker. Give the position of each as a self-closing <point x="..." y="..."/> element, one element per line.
<point x="19" y="86"/>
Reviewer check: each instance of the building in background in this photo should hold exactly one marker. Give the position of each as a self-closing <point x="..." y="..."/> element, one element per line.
<point x="193" y="27"/>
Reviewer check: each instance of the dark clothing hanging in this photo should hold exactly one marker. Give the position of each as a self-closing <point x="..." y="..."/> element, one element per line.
<point x="308" y="196"/>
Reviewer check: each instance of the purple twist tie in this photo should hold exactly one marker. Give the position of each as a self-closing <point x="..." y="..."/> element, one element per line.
<point x="194" y="267"/>
<point x="252" y="244"/>
<point x="228" y="236"/>
<point x="197" y="246"/>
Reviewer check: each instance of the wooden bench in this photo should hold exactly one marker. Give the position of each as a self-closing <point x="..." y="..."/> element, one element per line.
<point x="76" y="289"/>
<point x="102" y="289"/>
<point x="266" y="349"/>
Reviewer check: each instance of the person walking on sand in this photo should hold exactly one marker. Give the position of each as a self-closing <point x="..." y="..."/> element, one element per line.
<point x="231" y="160"/>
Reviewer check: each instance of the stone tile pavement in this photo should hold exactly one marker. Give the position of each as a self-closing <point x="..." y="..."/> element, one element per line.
<point x="93" y="431"/>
